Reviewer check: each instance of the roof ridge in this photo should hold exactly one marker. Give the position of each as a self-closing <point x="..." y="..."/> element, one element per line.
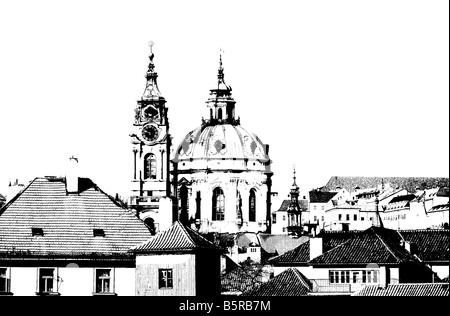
<point x="3" y="209"/>
<point x="385" y="244"/>
<point x="186" y="232"/>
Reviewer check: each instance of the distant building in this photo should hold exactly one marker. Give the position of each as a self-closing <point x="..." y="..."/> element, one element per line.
<point x="177" y="262"/>
<point x="2" y="200"/>
<point x="65" y="236"/>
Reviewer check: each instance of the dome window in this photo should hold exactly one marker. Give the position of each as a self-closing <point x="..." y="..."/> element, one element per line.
<point x="218" y="205"/>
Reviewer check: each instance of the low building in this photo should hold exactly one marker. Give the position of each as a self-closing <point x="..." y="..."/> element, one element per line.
<point x="177" y="262"/>
<point x="65" y="236"/>
<point x="376" y="256"/>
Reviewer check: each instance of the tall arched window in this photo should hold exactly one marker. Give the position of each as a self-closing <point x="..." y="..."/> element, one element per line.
<point x="218" y="205"/>
<point x="184" y="213"/>
<point x="252" y="206"/>
<point x="150" y="166"/>
<point x="219" y="114"/>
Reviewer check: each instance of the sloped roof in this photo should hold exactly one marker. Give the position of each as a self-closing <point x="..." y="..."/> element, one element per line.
<point x="278" y="244"/>
<point x="439" y="208"/>
<point x="300" y="254"/>
<point x="67" y="222"/>
<point x="177" y="238"/>
<point x="316" y="196"/>
<point x="290" y="282"/>
<point x="405" y="289"/>
<point x="432" y="244"/>
<point x="400" y="198"/>
<point x="374" y="245"/>
<point x="408" y="183"/>
<point x="303" y="204"/>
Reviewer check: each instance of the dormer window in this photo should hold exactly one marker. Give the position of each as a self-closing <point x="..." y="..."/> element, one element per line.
<point x="98" y="232"/>
<point x="35" y="231"/>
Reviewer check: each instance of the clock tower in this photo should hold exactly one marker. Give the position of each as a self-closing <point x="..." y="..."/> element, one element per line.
<point x="150" y="191"/>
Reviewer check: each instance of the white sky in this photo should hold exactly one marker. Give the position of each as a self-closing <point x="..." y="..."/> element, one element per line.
<point x="349" y="88"/>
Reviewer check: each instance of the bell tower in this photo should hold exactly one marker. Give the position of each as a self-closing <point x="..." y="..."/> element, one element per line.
<point x="151" y="153"/>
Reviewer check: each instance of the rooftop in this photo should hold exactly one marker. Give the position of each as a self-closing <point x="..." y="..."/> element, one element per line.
<point x="405" y="289"/>
<point x="290" y="282"/>
<point x="66" y="222"/>
<point x="177" y="238"/>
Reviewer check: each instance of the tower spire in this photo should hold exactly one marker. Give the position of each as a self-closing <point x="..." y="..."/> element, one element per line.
<point x="151" y="88"/>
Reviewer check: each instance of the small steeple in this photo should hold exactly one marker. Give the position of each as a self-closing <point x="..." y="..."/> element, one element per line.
<point x="220" y="102"/>
<point x="151" y="91"/>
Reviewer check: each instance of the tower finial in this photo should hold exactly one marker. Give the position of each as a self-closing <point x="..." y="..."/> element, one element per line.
<point x="294" y="184"/>
<point x="150" y="44"/>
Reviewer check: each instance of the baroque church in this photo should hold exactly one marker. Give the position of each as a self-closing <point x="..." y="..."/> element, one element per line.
<point x="217" y="180"/>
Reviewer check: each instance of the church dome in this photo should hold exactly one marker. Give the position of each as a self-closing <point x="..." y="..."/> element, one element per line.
<point x="223" y="142"/>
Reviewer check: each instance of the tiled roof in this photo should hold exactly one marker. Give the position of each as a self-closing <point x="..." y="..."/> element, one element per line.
<point x="374" y="245"/>
<point x="405" y="289"/>
<point x="432" y="244"/>
<point x="303" y="204"/>
<point x="400" y="198"/>
<point x="439" y="208"/>
<point x="408" y="183"/>
<point x="288" y="283"/>
<point x="236" y="281"/>
<point x="67" y="222"/>
<point x="300" y="254"/>
<point x="176" y="238"/>
<point x="284" y="206"/>
<point x="278" y="244"/>
<point x="316" y="196"/>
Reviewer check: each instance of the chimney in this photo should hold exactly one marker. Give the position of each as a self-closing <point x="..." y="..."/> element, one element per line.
<point x="72" y="175"/>
<point x="315" y="247"/>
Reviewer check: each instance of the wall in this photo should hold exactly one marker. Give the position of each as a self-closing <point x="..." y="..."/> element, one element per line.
<point x="147" y="279"/>
<point x="72" y="281"/>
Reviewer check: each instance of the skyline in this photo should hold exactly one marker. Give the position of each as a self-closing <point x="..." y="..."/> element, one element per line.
<point x="341" y="89"/>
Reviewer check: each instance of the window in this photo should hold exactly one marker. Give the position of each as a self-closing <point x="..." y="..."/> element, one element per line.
<point x="274" y="218"/>
<point x="218" y="205"/>
<point x="219" y="115"/>
<point x="198" y="201"/>
<point x="362" y="218"/>
<point x="150" y="166"/>
<point x="355" y="217"/>
<point x="165" y="278"/>
<point x="356" y="276"/>
<point x="103" y="281"/>
<point x="315" y="218"/>
<point x="4" y="280"/>
<point x="315" y="207"/>
<point x="252" y="206"/>
<point x="323" y="207"/>
<point x="340" y="217"/>
<point x="323" y="218"/>
<point x="46" y="283"/>
<point x="284" y="217"/>
<point x="35" y="231"/>
<point x="99" y="232"/>
<point x="347" y="217"/>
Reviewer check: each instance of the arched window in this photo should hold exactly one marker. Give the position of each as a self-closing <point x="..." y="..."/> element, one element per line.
<point x="218" y="205"/>
<point x="150" y="166"/>
<point x="219" y="114"/>
<point x="239" y="208"/>
<point x="252" y="206"/>
<point x="211" y="113"/>
<point x="184" y="214"/>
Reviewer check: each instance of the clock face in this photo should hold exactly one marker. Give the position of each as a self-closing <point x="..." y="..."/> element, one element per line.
<point x="150" y="133"/>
